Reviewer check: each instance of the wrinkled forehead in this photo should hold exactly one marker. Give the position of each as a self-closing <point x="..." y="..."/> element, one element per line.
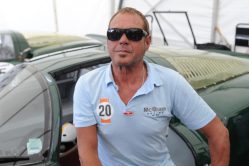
<point x="127" y="20"/>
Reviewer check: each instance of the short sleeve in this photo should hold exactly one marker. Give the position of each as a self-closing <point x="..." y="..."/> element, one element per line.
<point x="83" y="114"/>
<point x="189" y="107"/>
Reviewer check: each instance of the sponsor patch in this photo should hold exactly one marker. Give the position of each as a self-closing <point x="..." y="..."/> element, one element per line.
<point x="156" y="111"/>
<point x="105" y="111"/>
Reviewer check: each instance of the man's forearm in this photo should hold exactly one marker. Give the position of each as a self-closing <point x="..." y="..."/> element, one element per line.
<point x="218" y="140"/>
<point x="220" y="149"/>
<point x="88" y="146"/>
<point x="90" y="161"/>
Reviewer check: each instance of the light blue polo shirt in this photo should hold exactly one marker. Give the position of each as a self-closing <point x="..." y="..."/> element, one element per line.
<point x="135" y="134"/>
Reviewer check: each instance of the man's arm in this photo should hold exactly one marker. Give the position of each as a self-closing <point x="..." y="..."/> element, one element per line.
<point x="218" y="141"/>
<point x="88" y="146"/>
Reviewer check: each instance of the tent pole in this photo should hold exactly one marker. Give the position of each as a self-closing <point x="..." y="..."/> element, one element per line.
<point x="112" y="4"/>
<point x="55" y="16"/>
<point x="120" y="4"/>
<point x="153" y="8"/>
<point x="215" y="16"/>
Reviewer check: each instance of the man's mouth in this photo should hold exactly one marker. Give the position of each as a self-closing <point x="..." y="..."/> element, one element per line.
<point x="123" y="51"/>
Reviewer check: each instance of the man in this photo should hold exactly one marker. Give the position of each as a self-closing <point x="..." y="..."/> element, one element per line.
<point x="111" y="103"/>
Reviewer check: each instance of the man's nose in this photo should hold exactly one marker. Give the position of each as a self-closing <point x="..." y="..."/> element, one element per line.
<point x="123" y="39"/>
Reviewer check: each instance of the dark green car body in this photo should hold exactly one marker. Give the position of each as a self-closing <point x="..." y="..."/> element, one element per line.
<point x="15" y="46"/>
<point x="222" y="81"/>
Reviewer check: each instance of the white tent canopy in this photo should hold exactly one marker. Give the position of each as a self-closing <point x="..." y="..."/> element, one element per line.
<point x="212" y="21"/>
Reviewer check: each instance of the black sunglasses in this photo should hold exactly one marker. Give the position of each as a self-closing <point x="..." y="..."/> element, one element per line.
<point x="133" y="34"/>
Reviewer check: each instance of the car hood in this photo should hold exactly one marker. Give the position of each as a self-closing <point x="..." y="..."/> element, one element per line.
<point x="202" y="68"/>
<point x="221" y="80"/>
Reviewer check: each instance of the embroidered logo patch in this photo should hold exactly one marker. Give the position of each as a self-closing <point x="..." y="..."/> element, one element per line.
<point x="128" y="113"/>
<point x="156" y="111"/>
<point x="105" y="111"/>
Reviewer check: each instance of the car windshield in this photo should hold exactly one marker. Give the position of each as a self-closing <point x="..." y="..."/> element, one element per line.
<point x="6" y="47"/>
<point x="24" y="111"/>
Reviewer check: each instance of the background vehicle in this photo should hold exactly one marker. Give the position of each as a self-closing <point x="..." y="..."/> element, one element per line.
<point x="42" y="89"/>
<point x="15" y="46"/>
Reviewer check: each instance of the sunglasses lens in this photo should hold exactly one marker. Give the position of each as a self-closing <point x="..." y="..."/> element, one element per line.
<point x="133" y="34"/>
<point x="114" y="34"/>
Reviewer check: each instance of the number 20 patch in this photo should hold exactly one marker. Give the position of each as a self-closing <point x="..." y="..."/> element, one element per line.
<point x="105" y="111"/>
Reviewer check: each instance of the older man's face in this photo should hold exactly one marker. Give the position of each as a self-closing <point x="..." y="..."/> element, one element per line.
<point x="125" y="52"/>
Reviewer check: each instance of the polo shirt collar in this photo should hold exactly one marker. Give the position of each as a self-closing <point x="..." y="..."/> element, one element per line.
<point x="108" y="75"/>
<point x="153" y="79"/>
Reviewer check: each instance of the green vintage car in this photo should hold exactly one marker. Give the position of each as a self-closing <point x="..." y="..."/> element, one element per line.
<point x="36" y="105"/>
<point x="16" y="47"/>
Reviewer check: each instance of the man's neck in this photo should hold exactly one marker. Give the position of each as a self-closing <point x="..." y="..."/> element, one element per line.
<point x="129" y="80"/>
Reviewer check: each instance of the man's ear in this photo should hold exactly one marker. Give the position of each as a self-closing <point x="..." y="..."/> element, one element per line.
<point x="147" y="42"/>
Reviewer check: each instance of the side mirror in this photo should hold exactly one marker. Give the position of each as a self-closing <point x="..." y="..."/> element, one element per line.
<point x="23" y="54"/>
<point x="25" y="51"/>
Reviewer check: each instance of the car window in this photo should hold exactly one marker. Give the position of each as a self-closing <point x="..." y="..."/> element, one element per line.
<point x="66" y="81"/>
<point x="6" y="47"/>
<point x="25" y="117"/>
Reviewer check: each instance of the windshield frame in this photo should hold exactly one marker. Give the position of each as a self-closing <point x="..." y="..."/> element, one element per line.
<point x="46" y="135"/>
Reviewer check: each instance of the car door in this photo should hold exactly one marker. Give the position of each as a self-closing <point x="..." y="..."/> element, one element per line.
<point x="29" y="117"/>
<point x="186" y="147"/>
